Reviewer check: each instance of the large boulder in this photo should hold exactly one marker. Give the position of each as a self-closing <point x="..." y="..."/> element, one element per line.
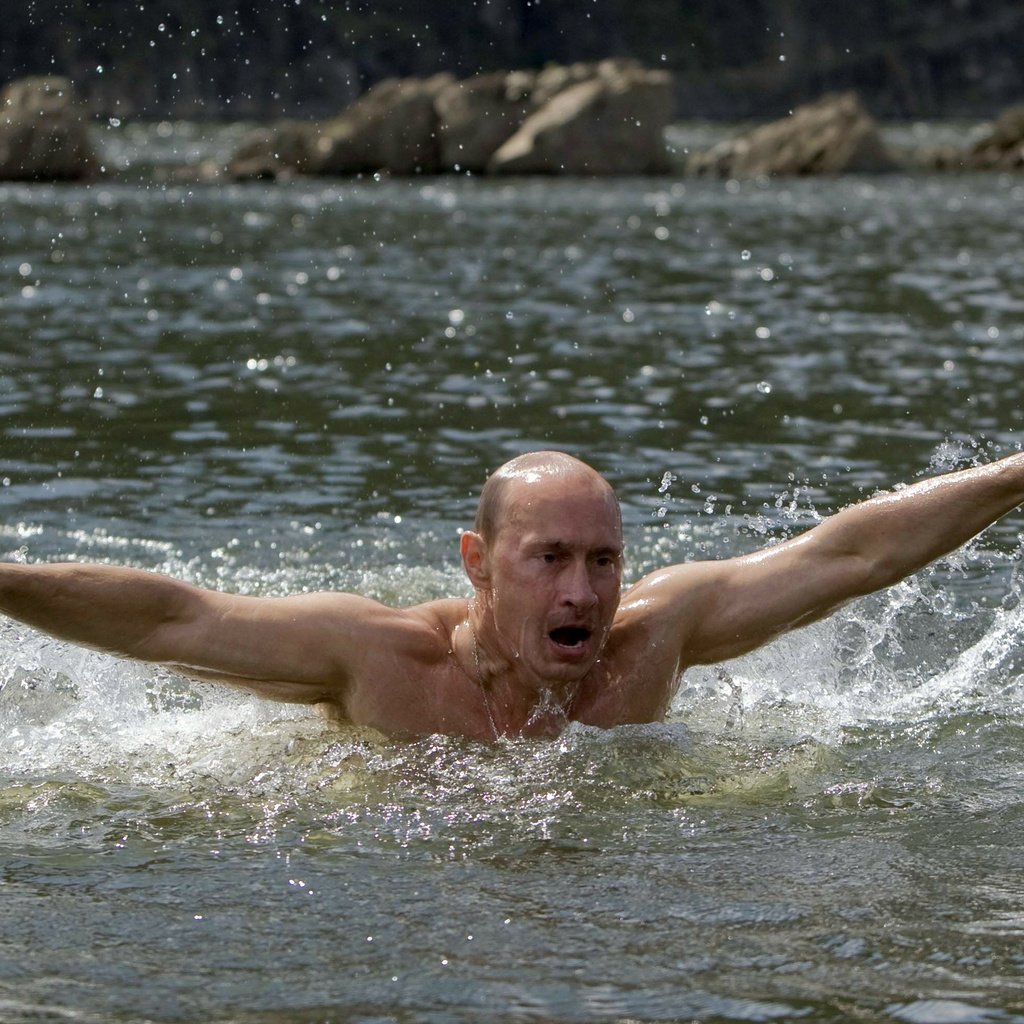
<point x="612" y="122"/>
<point x="606" y="118"/>
<point x="280" y="150"/>
<point x="392" y="127"/>
<point x="833" y="135"/>
<point x="1002" y="148"/>
<point x="43" y="137"/>
<point x="476" y="115"/>
<point x="556" y="78"/>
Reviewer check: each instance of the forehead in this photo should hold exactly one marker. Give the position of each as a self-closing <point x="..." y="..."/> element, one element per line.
<point x="567" y="509"/>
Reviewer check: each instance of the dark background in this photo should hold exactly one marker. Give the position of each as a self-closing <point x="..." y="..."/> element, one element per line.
<point x="226" y="59"/>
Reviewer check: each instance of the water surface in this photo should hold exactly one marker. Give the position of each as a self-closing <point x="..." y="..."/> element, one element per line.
<point x="273" y="389"/>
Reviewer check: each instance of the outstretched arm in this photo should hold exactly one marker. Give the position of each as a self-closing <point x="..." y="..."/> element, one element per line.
<point x="719" y="610"/>
<point x="303" y="648"/>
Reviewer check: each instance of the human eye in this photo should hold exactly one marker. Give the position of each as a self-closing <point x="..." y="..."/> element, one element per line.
<point x="549" y="554"/>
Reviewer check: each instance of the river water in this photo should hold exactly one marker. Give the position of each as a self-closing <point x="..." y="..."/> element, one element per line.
<point x="276" y="388"/>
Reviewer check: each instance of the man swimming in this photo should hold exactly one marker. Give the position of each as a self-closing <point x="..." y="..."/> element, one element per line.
<point x="548" y="637"/>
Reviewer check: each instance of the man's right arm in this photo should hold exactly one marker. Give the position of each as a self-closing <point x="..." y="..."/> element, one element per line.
<point x="304" y="648"/>
<point x="718" y="610"/>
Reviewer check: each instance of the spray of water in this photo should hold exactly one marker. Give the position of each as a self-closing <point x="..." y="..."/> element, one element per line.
<point x="938" y="645"/>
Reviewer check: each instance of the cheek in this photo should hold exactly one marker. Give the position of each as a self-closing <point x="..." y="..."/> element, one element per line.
<point x="610" y="593"/>
<point x="518" y="595"/>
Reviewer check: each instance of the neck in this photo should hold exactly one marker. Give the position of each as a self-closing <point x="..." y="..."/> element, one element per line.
<point x="517" y="702"/>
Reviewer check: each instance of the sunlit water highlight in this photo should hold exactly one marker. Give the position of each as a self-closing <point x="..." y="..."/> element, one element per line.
<point x="276" y="389"/>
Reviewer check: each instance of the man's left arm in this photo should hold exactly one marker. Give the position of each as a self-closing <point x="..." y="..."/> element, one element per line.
<point x="719" y="610"/>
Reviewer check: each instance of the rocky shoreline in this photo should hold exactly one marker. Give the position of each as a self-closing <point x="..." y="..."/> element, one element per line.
<point x="587" y="120"/>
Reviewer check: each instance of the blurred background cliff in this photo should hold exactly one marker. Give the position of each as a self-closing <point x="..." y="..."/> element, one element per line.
<point x="729" y="59"/>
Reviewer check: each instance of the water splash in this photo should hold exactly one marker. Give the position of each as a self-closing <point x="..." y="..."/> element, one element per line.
<point x="925" y="651"/>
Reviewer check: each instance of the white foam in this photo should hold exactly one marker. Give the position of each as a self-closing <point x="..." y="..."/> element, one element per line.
<point x="923" y="648"/>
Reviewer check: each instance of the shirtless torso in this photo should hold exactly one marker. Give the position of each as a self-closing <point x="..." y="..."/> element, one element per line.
<point x="436" y="682"/>
<point x="549" y="635"/>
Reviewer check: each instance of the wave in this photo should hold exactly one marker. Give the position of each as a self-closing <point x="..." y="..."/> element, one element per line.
<point x="919" y="660"/>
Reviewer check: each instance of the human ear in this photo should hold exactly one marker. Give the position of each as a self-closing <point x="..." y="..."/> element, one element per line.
<point x="473" y="549"/>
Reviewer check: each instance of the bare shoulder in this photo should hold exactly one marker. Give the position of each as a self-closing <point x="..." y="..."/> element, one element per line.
<point x="671" y="609"/>
<point x="415" y="631"/>
<point x="432" y="622"/>
<point x="401" y="667"/>
<point x="669" y="592"/>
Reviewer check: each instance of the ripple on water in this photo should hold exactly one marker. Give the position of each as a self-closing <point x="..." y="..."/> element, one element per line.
<point x="268" y="389"/>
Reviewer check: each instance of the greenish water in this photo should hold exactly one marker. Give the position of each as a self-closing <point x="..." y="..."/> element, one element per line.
<point x="277" y="388"/>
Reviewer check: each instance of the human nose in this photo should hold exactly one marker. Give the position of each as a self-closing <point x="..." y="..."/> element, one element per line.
<point x="577" y="587"/>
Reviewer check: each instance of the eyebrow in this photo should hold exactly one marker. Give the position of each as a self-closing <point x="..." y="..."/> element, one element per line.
<point x="561" y="545"/>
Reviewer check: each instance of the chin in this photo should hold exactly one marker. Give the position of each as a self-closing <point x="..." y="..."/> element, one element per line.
<point x="563" y="671"/>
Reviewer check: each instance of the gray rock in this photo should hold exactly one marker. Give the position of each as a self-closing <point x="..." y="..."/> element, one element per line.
<point x="833" y="135"/>
<point x="279" y="151"/>
<point x="475" y="116"/>
<point x="606" y="118"/>
<point x="1002" y="148"/>
<point x="600" y="119"/>
<point x="556" y="78"/>
<point x="393" y="127"/>
<point x="43" y="137"/>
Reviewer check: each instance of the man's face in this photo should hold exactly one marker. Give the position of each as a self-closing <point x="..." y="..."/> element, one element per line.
<point x="555" y="575"/>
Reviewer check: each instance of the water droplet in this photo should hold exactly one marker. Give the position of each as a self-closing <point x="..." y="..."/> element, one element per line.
<point x="764" y="387"/>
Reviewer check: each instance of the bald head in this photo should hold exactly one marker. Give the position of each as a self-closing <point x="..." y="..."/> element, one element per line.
<point x="534" y="469"/>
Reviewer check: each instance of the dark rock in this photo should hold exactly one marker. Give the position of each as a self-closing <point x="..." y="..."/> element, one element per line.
<point x="831" y="136"/>
<point x="600" y="119"/>
<point x="475" y="116"/>
<point x="393" y="127"/>
<point x="42" y="135"/>
<point x="278" y="151"/>
<point x="937" y="158"/>
<point x="1002" y="149"/>
<point x="592" y="119"/>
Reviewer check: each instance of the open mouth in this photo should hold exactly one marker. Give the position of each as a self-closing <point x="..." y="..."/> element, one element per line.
<point x="570" y="636"/>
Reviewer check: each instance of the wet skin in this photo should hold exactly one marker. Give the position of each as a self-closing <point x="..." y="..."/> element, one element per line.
<point x="547" y="638"/>
<point x="548" y="585"/>
<point x="541" y="643"/>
